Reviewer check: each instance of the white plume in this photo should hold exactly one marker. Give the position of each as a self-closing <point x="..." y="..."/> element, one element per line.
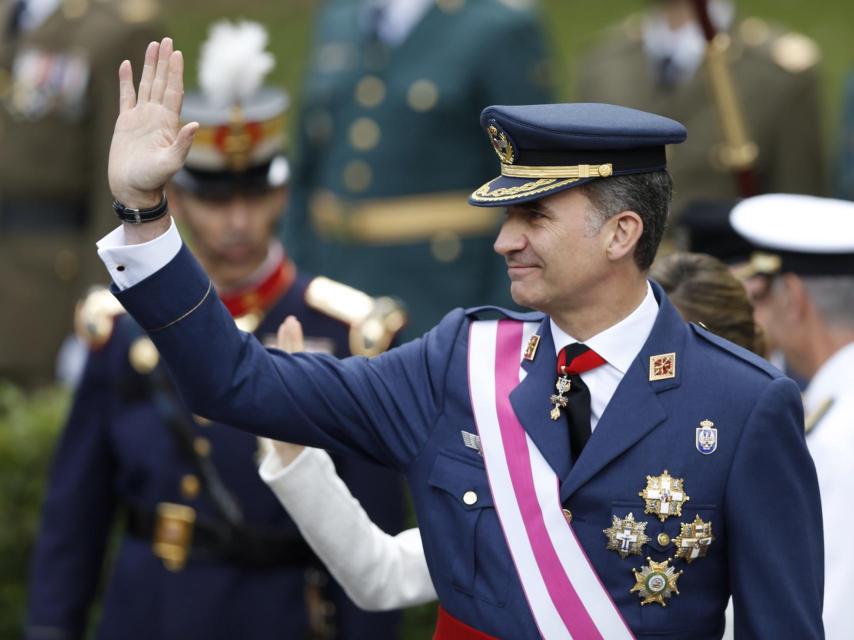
<point x="233" y="62"/>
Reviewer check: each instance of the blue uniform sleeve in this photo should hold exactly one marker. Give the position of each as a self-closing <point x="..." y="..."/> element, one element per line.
<point x="76" y="517"/>
<point x="774" y="523"/>
<point x="382" y="408"/>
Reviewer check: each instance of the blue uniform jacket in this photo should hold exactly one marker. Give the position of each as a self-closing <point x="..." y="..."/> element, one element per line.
<point x="406" y="409"/>
<point x="116" y="450"/>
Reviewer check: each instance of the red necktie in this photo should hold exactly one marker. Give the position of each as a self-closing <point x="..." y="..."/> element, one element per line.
<point x="573" y="394"/>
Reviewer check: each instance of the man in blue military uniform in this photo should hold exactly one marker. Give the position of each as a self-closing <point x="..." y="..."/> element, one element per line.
<point x="638" y="470"/>
<point x="386" y="149"/>
<point x="207" y="552"/>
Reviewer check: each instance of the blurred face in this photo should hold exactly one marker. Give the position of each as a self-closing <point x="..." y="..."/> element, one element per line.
<point x="231" y="236"/>
<point x="773" y="310"/>
<point x="554" y="251"/>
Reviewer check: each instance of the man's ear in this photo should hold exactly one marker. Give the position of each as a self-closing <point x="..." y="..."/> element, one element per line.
<point x="624" y="232"/>
<point x="797" y="301"/>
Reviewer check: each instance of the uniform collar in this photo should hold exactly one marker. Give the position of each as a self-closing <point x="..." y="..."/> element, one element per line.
<point x="262" y="289"/>
<point x="619" y="344"/>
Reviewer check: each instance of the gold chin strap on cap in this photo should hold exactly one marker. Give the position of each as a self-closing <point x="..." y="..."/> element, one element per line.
<point x="571" y="171"/>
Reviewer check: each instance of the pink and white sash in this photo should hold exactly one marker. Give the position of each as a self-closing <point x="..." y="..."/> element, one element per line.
<point x="564" y="592"/>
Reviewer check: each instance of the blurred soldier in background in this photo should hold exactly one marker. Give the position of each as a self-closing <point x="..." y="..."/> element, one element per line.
<point x="58" y="107"/>
<point x="388" y="148"/>
<point x="208" y="552"/>
<point x="655" y="62"/>
<point x="803" y="290"/>
<point x="845" y="170"/>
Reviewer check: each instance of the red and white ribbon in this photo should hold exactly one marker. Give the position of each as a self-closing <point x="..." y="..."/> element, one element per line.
<point x="564" y="592"/>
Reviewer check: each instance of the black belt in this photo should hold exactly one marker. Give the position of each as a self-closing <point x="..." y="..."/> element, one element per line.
<point x="41" y="215"/>
<point x="215" y="541"/>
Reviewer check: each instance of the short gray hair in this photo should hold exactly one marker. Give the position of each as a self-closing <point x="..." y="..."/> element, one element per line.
<point x="647" y="194"/>
<point x="833" y="297"/>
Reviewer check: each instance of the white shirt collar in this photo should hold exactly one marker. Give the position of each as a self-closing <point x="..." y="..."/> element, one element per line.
<point x="36" y="12"/>
<point x="619" y="344"/>
<point x="834" y="377"/>
<point x="399" y="18"/>
<point x="685" y="47"/>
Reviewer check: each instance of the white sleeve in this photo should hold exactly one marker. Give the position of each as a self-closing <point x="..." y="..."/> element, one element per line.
<point x="129" y="264"/>
<point x="378" y="571"/>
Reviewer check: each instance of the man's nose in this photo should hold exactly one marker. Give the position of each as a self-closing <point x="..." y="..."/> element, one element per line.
<point x="510" y="237"/>
<point x="239" y="213"/>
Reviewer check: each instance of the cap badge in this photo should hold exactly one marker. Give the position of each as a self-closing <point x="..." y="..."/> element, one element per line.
<point x="662" y="367"/>
<point x="626" y="536"/>
<point x="664" y="496"/>
<point x="655" y="582"/>
<point x="502" y="145"/>
<point x="707" y="437"/>
<point x="694" y="540"/>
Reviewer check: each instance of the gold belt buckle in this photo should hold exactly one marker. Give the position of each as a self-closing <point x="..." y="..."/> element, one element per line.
<point x="173" y="534"/>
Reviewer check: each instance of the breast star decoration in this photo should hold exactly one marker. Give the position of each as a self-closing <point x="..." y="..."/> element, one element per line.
<point x="626" y="536"/>
<point x="694" y="540"/>
<point x="655" y="582"/>
<point x="664" y="496"/>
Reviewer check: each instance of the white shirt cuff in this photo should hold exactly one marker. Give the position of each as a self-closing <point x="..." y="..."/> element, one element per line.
<point x="130" y="264"/>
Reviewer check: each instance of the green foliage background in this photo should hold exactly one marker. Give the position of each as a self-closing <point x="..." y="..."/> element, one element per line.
<point x="29" y="423"/>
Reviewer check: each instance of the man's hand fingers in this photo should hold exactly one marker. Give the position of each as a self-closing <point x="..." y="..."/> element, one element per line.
<point x="158" y="87"/>
<point x="148" y="72"/>
<point x="174" y="95"/>
<point x="185" y="139"/>
<point x="289" y="337"/>
<point x="127" y="95"/>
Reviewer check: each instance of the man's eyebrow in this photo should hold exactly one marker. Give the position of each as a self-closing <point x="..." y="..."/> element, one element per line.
<point x="534" y="207"/>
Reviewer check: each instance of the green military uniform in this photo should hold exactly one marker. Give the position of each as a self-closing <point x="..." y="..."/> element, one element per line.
<point x="388" y="149"/>
<point x="777" y="81"/>
<point x="58" y="106"/>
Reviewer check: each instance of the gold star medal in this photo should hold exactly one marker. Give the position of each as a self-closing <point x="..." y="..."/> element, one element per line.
<point x="655" y="582"/>
<point x="664" y="496"/>
<point x="694" y="540"/>
<point x="626" y="536"/>
<point x="559" y="400"/>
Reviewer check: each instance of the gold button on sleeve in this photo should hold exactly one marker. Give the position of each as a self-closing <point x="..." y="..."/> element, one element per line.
<point x="190" y="486"/>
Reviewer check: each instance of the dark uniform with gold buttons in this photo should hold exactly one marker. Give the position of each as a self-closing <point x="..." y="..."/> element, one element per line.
<point x="58" y="106"/>
<point x="387" y="148"/>
<point x="776" y="77"/>
<point x="207" y="551"/>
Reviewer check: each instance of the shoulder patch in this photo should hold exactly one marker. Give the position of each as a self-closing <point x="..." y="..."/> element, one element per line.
<point x="740" y="352"/>
<point x="374" y="322"/>
<point x="480" y="313"/>
<point x="95" y="316"/>
<point x="795" y="52"/>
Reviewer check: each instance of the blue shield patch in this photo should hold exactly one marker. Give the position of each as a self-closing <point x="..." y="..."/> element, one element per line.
<point x="707" y="438"/>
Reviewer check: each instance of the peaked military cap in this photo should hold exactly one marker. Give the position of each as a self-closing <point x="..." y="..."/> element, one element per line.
<point x="800" y="234"/>
<point x="547" y="148"/>
<point x="240" y="143"/>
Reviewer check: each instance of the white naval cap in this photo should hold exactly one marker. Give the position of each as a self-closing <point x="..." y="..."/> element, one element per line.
<point x="797" y="233"/>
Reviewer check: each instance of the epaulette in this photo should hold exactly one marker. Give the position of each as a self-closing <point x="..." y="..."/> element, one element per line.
<point x="373" y="321"/>
<point x="491" y="310"/>
<point x="740" y="352"/>
<point x="791" y="51"/>
<point x="95" y="316"/>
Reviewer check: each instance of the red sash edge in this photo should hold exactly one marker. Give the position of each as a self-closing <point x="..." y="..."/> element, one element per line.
<point x="449" y="628"/>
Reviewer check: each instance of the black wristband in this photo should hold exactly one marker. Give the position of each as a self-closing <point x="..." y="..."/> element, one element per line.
<point x="138" y="216"/>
